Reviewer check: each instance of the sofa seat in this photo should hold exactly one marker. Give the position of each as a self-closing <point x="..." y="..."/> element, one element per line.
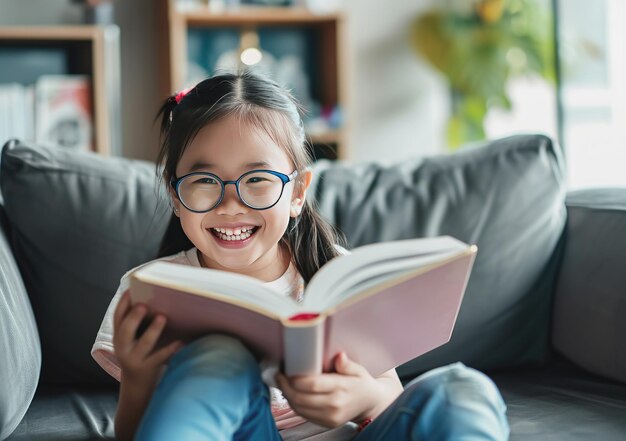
<point x="555" y="402"/>
<point x="83" y="414"/>
<point x="560" y="402"/>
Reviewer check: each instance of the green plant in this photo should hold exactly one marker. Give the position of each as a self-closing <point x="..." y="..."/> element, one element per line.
<point x="478" y="45"/>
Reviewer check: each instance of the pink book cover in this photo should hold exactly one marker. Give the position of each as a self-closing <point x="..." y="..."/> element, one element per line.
<point x="379" y="328"/>
<point x="402" y="322"/>
<point x="190" y="316"/>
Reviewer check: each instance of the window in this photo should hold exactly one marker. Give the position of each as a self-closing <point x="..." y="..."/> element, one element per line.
<point x="593" y="90"/>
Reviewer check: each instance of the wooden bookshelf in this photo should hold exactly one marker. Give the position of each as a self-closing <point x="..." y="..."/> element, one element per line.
<point x="92" y="51"/>
<point x="329" y="30"/>
<point x="257" y="15"/>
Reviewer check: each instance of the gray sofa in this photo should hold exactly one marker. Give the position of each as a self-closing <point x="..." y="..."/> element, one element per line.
<point x="543" y="314"/>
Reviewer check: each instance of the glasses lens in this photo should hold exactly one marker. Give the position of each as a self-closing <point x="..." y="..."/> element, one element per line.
<point x="199" y="192"/>
<point x="260" y="189"/>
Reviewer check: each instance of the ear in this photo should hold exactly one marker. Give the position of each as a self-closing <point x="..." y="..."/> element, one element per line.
<point x="174" y="202"/>
<point x="299" y="194"/>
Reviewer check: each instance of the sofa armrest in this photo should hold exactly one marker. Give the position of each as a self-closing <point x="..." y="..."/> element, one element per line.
<point x="20" y="349"/>
<point x="590" y="299"/>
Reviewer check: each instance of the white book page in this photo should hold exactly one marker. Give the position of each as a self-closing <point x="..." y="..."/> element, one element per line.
<point x="371" y="259"/>
<point x="221" y="285"/>
<point x="364" y="278"/>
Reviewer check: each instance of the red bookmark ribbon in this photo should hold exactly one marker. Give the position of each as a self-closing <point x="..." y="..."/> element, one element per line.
<point x="304" y="316"/>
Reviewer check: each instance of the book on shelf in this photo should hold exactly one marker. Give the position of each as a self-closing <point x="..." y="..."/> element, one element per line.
<point x="55" y="110"/>
<point x="16" y="112"/>
<point x="383" y="304"/>
<point x="63" y="111"/>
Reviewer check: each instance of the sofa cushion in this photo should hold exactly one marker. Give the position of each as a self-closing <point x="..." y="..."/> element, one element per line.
<point x="506" y="196"/>
<point x="85" y="414"/>
<point x="20" y="359"/>
<point x="562" y="402"/>
<point x="78" y="222"/>
<point x="590" y="300"/>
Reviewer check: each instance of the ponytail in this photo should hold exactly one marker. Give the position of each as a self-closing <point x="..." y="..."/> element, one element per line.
<point x="165" y="112"/>
<point x="311" y="241"/>
<point x="174" y="240"/>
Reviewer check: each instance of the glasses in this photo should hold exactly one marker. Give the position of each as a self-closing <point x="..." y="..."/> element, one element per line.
<point x="258" y="189"/>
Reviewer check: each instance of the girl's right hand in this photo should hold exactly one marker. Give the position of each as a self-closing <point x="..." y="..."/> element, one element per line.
<point x="137" y="357"/>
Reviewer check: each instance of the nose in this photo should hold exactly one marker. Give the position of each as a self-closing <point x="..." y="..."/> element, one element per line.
<point x="231" y="204"/>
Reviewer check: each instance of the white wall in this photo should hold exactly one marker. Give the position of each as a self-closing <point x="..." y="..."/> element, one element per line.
<point x="38" y="12"/>
<point x="397" y="103"/>
<point x="141" y="79"/>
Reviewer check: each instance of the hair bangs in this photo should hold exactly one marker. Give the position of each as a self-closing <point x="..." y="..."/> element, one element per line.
<point x="278" y="127"/>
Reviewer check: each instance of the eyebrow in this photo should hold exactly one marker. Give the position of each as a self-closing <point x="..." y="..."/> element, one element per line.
<point x="203" y="165"/>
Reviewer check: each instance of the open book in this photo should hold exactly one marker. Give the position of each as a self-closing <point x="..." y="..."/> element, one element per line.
<point x="384" y="304"/>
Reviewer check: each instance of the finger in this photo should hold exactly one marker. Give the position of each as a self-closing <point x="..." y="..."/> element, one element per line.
<point x="120" y="309"/>
<point x="278" y="379"/>
<point x="303" y="400"/>
<point x="163" y="354"/>
<point x="345" y="366"/>
<point x="319" y="384"/>
<point x="148" y="339"/>
<point x="282" y="381"/>
<point x="128" y="327"/>
<point x="318" y="416"/>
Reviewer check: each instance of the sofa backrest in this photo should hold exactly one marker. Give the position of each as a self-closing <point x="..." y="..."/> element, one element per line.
<point x="507" y="196"/>
<point x="79" y="221"/>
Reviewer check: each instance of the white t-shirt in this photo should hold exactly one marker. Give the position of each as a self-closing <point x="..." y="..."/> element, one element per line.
<point x="291" y="425"/>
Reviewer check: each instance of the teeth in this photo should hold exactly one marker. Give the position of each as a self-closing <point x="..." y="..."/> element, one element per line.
<point x="236" y="234"/>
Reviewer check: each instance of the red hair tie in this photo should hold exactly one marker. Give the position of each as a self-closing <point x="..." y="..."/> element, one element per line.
<point x="180" y="95"/>
<point x="364" y="423"/>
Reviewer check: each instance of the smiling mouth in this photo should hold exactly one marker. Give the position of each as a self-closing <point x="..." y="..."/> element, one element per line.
<point x="236" y="235"/>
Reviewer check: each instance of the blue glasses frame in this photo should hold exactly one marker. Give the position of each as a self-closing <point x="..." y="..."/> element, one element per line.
<point x="285" y="179"/>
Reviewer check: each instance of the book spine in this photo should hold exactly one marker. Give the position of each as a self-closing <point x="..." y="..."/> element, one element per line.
<point x="303" y="348"/>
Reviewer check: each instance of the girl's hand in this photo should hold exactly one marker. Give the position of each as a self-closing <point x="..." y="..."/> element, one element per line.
<point x="333" y="399"/>
<point x="137" y="358"/>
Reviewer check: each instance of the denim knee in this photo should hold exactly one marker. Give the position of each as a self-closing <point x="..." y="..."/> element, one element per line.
<point x="461" y="398"/>
<point x="214" y="355"/>
<point x="456" y="379"/>
<point x="208" y="389"/>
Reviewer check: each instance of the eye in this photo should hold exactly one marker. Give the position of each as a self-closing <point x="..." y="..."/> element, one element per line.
<point x="206" y="180"/>
<point x="256" y="180"/>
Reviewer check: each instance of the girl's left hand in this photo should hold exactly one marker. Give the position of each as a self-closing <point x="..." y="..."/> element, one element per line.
<point x="333" y="399"/>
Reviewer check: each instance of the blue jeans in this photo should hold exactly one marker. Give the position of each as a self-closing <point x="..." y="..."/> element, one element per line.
<point x="212" y="390"/>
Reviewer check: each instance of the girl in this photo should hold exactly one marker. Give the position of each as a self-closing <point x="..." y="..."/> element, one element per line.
<point x="235" y="165"/>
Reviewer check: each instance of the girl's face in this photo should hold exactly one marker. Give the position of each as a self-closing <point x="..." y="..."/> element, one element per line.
<point x="228" y="148"/>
